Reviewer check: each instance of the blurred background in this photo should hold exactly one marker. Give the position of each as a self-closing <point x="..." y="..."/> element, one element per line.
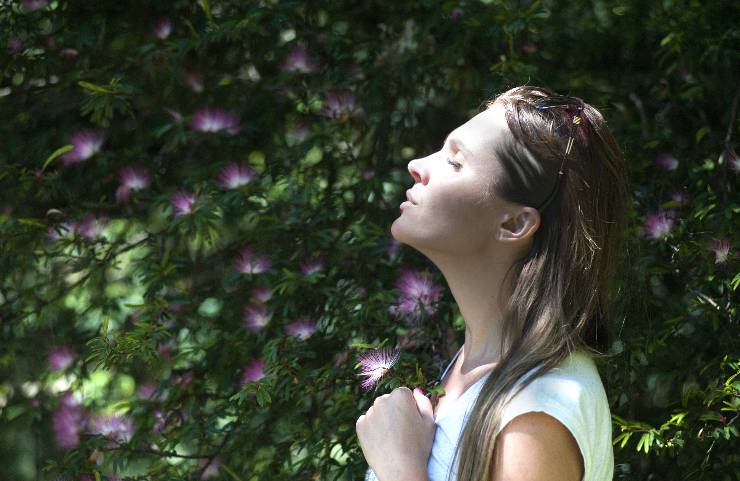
<point x="195" y="201"/>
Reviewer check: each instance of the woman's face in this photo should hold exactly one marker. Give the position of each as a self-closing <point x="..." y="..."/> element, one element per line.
<point x="450" y="212"/>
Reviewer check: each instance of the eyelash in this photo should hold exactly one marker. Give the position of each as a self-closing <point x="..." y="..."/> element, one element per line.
<point x="457" y="165"/>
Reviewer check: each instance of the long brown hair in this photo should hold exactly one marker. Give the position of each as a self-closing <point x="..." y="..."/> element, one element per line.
<point x="559" y="294"/>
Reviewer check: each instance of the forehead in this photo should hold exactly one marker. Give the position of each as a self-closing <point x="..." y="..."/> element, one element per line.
<point x="482" y="133"/>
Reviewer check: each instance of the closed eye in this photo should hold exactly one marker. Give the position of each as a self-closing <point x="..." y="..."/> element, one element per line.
<point x="457" y="165"/>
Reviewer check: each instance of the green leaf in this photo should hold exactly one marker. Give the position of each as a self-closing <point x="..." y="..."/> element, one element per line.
<point x="57" y="153"/>
<point x="94" y="88"/>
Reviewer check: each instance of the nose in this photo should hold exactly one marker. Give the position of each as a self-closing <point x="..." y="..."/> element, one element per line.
<point x="414" y="171"/>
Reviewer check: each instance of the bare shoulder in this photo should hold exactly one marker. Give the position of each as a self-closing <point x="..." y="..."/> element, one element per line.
<point x="535" y="446"/>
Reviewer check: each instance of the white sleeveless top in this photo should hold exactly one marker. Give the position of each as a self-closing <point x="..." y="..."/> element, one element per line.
<point x="572" y="393"/>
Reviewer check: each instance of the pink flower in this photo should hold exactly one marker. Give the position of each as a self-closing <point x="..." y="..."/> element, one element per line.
<point x="86" y="144"/>
<point x="341" y="106"/>
<point x="65" y="229"/>
<point x="529" y="47"/>
<point x="666" y="161"/>
<point x="377" y="363"/>
<point x="215" y="120"/>
<point x="254" y="371"/>
<point x="132" y="179"/>
<point x="249" y="263"/>
<point x="417" y="292"/>
<point x="147" y="390"/>
<point x="92" y="227"/>
<point x="680" y="196"/>
<point x="194" y="81"/>
<point x="312" y="265"/>
<point x="299" y="61"/>
<point x="118" y="428"/>
<point x="68" y="53"/>
<point x="68" y="421"/>
<point x="393" y="247"/>
<point x="161" y="420"/>
<point x="61" y="358"/>
<point x="456" y="14"/>
<point x="163" y="28"/>
<point x="659" y="224"/>
<point x="256" y="317"/>
<point x="235" y="175"/>
<point x="262" y="293"/>
<point x="341" y="358"/>
<point x="302" y="328"/>
<point x="721" y="250"/>
<point x="183" y="203"/>
<point x="211" y="467"/>
<point x="297" y="133"/>
<point x="176" y="116"/>
<point x="15" y="45"/>
<point x="731" y="159"/>
<point x="32" y="5"/>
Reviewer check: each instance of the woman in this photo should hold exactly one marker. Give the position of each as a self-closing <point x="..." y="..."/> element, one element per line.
<point x="523" y="211"/>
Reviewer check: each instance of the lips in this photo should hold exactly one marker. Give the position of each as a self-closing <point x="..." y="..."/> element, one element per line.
<point x="409" y="198"/>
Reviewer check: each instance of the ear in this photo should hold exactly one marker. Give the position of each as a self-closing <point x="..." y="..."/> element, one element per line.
<point x="521" y="223"/>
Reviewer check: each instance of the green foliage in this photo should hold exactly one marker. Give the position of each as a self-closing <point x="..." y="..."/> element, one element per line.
<point x="152" y="307"/>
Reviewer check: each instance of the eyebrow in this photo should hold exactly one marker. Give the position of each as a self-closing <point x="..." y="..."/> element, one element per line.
<point x="457" y="142"/>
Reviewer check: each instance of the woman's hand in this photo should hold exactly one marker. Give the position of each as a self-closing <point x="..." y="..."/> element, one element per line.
<point x="396" y="435"/>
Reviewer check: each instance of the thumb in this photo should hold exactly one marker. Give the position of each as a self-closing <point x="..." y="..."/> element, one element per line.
<point x="423" y="404"/>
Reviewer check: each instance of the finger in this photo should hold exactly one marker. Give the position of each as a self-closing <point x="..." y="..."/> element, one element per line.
<point x="423" y="404"/>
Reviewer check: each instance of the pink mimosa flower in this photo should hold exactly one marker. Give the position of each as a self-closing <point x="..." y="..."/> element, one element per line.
<point x="731" y="159"/>
<point x="194" y="81"/>
<point x="183" y="203"/>
<point x="113" y="426"/>
<point x="417" y="291"/>
<point x="132" y="179"/>
<point x="666" y="161"/>
<point x="254" y="371"/>
<point x="176" y="116"/>
<point x="377" y="363"/>
<point x="341" y="106"/>
<point x="211" y="469"/>
<point x="161" y="420"/>
<point x="680" y="196"/>
<point x="163" y="28"/>
<point x="256" y="317"/>
<point x="68" y="53"/>
<point x="312" y="265"/>
<point x="529" y="47"/>
<point x="15" y="45"/>
<point x="147" y="390"/>
<point x="86" y="144"/>
<point x="68" y="421"/>
<point x="341" y="358"/>
<point x="65" y="229"/>
<point x="721" y="250"/>
<point x="249" y="263"/>
<point x="302" y="328"/>
<point x="393" y="247"/>
<point x="61" y="358"/>
<point x="215" y="120"/>
<point x="262" y="293"/>
<point x="32" y="5"/>
<point x="299" y="61"/>
<point x="235" y="175"/>
<point x="297" y="133"/>
<point x="92" y="227"/>
<point x="659" y="224"/>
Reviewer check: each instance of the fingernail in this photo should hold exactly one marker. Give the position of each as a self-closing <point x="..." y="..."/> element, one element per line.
<point x="419" y="391"/>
